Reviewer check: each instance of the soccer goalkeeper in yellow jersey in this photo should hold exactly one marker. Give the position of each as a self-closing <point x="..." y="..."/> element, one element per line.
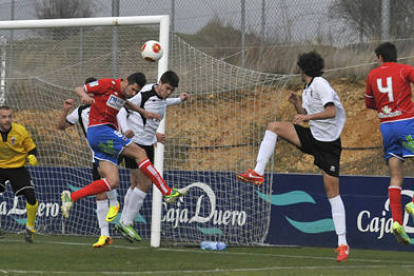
<point x="16" y="146"/>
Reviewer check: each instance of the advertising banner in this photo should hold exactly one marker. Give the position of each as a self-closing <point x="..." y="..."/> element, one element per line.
<point x="301" y="213"/>
<point x="295" y="212"/>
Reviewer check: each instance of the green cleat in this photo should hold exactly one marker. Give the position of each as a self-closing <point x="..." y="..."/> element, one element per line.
<point x="409" y="208"/>
<point x="175" y="193"/>
<point x="29" y="235"/>
<point x="128" y="232"/>
<point x="67" y="203"/>
<point x="400" y="234"/>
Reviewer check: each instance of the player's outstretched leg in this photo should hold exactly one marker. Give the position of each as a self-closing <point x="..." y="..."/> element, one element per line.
<point x="67" y="203"/>
<point x="251" y="176"/>
<point x="103" y="240"/>
<point x="400" y="234"/>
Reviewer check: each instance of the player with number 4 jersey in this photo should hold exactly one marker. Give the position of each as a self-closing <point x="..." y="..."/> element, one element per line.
<point x="388" y="91"/>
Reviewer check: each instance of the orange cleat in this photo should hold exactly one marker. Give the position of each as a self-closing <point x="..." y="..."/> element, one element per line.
<point x="343" y="253"/>
<point x="251" y="176"/>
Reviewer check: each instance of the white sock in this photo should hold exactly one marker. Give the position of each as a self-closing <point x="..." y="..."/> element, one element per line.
<point x="338" y="216"/>
<point x="136" y="199"/>
<point x="112" y="196"/>
<point x="124" y="208"/>
<point x="101" y="211"/>
<point x="267" y="147"/>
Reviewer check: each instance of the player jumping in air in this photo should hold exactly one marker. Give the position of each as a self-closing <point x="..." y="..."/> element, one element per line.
<point x="154" y="98"/>
<point x="105" y="213"/>
<point x="388" y="91"/>
<point x="107" y="143"/>
<point x="322" y="108"/>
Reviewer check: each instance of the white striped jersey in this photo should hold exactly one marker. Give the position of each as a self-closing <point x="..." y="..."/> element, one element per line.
<point x="144" y="130"/>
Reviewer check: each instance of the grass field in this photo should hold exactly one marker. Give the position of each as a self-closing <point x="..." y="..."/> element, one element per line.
<point x="53" y="255"/>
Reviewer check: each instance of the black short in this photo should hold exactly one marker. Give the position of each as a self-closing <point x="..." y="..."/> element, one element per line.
<point x="130" y="163"/>
<point x="19" y="179"/>
<point x="327" y="154"/>
<point x="95" y="172"/>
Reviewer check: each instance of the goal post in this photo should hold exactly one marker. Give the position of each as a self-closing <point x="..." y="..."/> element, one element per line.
<point x="163" y="21"/>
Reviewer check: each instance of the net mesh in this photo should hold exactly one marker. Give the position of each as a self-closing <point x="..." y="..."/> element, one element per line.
<point x="209" y="138"/>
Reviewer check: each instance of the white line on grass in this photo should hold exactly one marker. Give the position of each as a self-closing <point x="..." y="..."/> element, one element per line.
<point x="169" y="272"/>
<point x="226" y="252"/>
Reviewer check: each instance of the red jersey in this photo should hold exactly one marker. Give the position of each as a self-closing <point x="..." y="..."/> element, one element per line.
<point x="388" y="91"/>
<point x="108" y="101"/>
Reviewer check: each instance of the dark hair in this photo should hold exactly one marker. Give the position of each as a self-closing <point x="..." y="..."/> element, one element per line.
<point x="89" y="80"/>
<point x="388" y="51"/>
<point x="5" y="107"/>
<point x="311" y="64"/>
<point x="171" y="78"/>
<point x="137" y="78"/>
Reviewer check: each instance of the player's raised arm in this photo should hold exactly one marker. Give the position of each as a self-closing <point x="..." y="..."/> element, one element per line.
<point x="174" y="101"/>
<point x="62" y="123"/>
<point x="143" y="112"/>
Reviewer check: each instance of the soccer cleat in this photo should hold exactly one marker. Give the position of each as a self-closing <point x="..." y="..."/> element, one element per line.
<point x="67" y="203"/>
<point x="112" y="212"/>
<point x="175" y="193"/>
<point x="128" y="232"/>
<point x="343" y="253"/>
<point x="29" y="235"/>
<point x="1" y="233"/>
<point x="103" y="240"/>
<point x="400" y="234"/>
<point x="409" y="208"/>
<point x="251" y="176"/>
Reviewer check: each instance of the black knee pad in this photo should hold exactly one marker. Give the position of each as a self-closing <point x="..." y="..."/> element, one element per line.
<point x="30" y="196"/>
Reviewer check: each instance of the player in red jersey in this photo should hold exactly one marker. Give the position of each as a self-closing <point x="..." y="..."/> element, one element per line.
<point x="109" y="95"/>
<point x="388" y="91"/>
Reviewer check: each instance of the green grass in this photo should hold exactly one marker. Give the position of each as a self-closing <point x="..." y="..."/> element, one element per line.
<point x="53" y="255"/>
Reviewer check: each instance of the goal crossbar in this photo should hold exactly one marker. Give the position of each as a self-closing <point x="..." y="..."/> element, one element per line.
<point x="81" y="22"/>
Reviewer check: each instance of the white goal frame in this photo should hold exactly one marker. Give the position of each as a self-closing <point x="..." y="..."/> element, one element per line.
<point x="164" y="22"/>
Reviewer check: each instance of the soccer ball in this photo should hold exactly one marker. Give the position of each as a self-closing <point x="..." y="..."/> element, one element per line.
<point x="151" y="50"/>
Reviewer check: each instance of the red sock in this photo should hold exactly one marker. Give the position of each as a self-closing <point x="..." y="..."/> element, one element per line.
<point x="94" y="188"/>
<point x="394" y="194"/>
<point x="151" y="172"/>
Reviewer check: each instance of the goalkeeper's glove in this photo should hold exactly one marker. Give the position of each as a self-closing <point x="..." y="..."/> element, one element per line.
<point x="32" y="159"/>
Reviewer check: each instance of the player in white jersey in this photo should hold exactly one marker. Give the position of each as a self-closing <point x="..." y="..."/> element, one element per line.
<point x="105" y="212"/>
<point x="322" y="108"/>
<point x="153" y="98"/>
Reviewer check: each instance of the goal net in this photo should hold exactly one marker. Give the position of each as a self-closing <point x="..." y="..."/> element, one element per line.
<point x="209" y="138"/>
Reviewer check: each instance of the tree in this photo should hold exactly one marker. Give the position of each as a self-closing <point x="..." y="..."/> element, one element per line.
<point x="54" y="9"/>
<point x="365" y="17"/>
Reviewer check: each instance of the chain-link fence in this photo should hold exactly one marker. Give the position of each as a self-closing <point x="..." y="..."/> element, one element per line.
<point x="234" y="30"/>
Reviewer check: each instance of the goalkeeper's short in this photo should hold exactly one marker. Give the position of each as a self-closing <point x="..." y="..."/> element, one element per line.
<point x="19" y="179"/>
